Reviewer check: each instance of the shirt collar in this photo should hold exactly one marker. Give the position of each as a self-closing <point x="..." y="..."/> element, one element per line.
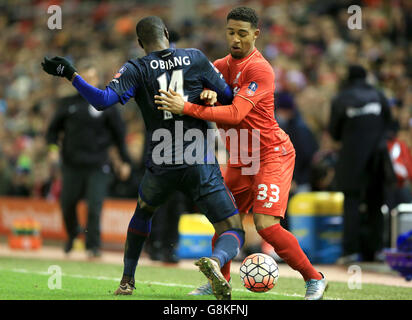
<point x="243" y="60"/>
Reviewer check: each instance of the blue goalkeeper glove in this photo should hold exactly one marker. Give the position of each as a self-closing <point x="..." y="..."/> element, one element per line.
<point x="58" y="66"/>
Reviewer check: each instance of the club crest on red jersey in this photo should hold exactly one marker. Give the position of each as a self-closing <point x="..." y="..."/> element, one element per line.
<point x="252" y="88"/>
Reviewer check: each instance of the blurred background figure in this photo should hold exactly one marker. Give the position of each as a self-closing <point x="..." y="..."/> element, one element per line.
<point x="87" y="136"/>
<point x="290" y="120"/>
<point x="360" y="119"/>
<point x="401" y="157"/>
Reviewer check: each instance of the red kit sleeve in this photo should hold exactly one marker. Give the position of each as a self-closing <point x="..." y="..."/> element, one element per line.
<point x="259" y="81"/>
<point x="230" y="114"/>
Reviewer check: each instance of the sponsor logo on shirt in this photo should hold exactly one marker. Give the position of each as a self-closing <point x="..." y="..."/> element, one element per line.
<point x="372" y="108"/>
<point x="252" y="88"/>
<point x="120" y="72"/>
<point x="267" y="205"/>
<point x="235" y="90"/>
<point x="237" y="77"/>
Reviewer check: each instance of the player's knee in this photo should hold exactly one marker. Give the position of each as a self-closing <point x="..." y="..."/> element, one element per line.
<point x="144" y="208"/>
<point x="236" y="222"/>
<point x="233" y="222"/>
<point x="263" y="221"/>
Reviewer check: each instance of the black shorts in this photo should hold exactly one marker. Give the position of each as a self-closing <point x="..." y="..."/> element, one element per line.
<point x="202" y="183"/>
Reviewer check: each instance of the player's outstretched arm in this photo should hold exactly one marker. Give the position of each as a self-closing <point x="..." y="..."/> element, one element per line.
<point x="229" y="114"/>
<point x="99" y="99"/>
<point x="61" y="67"/>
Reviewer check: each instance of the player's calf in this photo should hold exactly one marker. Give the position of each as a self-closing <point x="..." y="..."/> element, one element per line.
<point x="137" y="233"/>
<point x="228" y="245"/>
<point x="287" y="247"/>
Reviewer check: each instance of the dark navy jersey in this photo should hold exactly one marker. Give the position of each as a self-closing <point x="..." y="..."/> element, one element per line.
<point x="186" y="71"/>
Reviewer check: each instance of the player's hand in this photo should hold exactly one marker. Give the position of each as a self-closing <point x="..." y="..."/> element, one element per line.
<point x="170" y="101"/>
<point x="209" y="97"/>
<point x="58" y="66"/>
<point x="124" y="171"/>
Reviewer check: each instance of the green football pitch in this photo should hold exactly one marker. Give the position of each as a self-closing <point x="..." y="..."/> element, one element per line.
<point x="33" y="279"/>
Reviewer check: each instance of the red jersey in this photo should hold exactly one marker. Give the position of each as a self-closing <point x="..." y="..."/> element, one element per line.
<point x="253" y="82"/>
<point x="401" y="160"/>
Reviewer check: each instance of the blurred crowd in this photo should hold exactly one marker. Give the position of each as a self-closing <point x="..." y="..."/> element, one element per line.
<point x="308" y="44"/>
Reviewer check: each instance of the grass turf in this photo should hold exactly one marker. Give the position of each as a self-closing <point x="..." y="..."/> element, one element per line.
<point x="28" y="279"/>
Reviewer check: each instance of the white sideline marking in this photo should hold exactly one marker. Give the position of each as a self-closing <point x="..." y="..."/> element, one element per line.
<point x="80" y="276"/>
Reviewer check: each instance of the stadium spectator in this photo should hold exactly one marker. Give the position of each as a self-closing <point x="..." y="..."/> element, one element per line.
<point x="5" y="175"/>
<point x="322" y="172"/>
<point x="401" y="157"/>
<point x="87" y="136"/>
<point x="359" y="119"/>
<point x="290" y="120"/>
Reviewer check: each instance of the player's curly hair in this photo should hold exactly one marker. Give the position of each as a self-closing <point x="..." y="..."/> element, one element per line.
<point x="244" y="14"/>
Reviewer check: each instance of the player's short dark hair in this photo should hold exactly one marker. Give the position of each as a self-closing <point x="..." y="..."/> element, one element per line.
<point x="244" y="14"/>
<point x="355" y="72"/>
<point x="150" y="29"/>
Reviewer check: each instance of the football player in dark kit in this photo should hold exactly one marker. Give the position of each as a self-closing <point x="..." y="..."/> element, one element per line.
<point x="188" y="72"/>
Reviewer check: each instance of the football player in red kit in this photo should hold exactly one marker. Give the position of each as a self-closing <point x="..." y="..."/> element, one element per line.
<point x="265" y="185"/>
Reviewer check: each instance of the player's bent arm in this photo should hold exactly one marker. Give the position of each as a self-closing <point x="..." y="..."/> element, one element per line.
<point x="223" y="96"/>
<point x="99" y="99"/>
<point x="230" y="114"/>
<point x="214" y="80"/>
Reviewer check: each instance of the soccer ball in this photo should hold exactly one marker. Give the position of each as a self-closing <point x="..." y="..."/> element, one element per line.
<point x="259" y="272"/>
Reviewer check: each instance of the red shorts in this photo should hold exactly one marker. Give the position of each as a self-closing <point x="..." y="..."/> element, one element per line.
<point x="267" y="191"/>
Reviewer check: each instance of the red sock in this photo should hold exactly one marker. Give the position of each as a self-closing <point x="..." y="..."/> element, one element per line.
<point x="288" y="248"/>
<point x="226" y="268"/>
